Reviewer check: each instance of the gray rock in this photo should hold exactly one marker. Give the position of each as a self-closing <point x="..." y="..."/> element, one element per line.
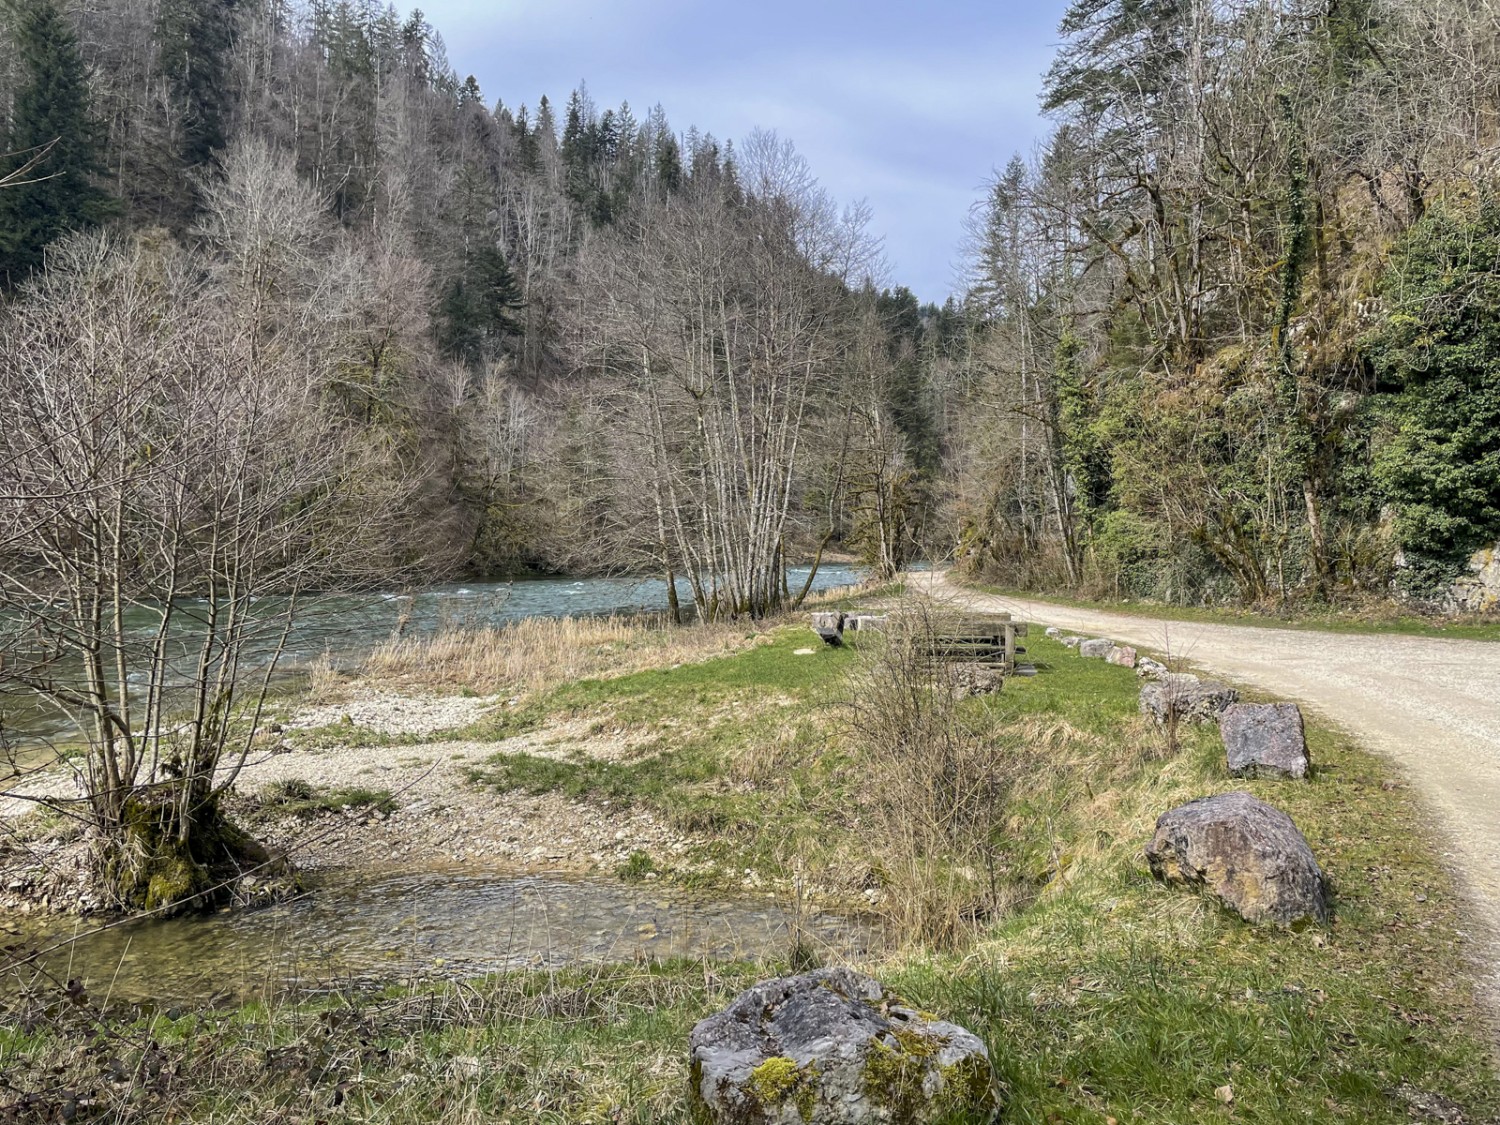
<point x="1070" y="640"/>
<point x="1098" y="648"/>
<point x="978" y="679"/>
<point x="1185" y="696"/>
<point x="833" y="1046"/>
<point x="1477" y="591"/>
<point x="1123" y="655"/>
<point x="1246" y="853"/>
<point x="1145" y="666"/>
<point x="1054" y="631"/>
<point x="1264" y="740"/>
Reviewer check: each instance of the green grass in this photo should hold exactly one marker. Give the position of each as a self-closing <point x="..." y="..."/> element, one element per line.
<point x="700" y="720"/>
<point x="1105" y="994"/>
<point x="296" y="798"/>
<point x="1380" y="619"/>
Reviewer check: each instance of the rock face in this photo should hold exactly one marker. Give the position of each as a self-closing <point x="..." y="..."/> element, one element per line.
<point x="1123" y="655"/>
<point x="1264" y="740"/>
<point x="1246" y="853"/>
<point x="1098" y="648"/>
<point x="1478" y="591"/>
<point x="1185" y="696"/>
<point x="834" y="1047"/>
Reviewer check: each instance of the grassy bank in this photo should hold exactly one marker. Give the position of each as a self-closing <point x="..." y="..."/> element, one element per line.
<point x="1101" y="993"/>
<point x="1376" y="617"/>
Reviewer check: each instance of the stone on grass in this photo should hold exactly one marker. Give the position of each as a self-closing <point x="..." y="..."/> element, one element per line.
<point x="1123" y="655"/>
<point x="1053" y="631"/>
<point x="1264" y="740"/>
<point x="1070" y="640"/>
<point x="1097" y="648"/>
<point x="835" y="1047"/>
<point x="1246" y="853"/>
<point x="1186" y="698"/>
<point x="978" y="679"/>
<point x="1145" y="666"/>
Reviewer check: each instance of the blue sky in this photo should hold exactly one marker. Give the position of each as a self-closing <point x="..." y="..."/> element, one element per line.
<point x="909" y="106"/>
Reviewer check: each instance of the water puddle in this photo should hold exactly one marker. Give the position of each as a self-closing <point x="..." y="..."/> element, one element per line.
<point x="423" y="926"/>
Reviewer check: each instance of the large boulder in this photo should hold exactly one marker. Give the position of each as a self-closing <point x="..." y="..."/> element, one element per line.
<point x="1098" y="648"/>
<point x="1264" y="740"/>
<point x="833" y="1046"/>
<point x="1245" y="852"/>
<point x="1186" y="698"/>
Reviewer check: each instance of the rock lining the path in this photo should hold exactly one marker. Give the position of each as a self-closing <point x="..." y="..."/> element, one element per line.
<point x="1246" y="853"/>
<point x="1186" y="698"/>
<point x="1264" y="740"/>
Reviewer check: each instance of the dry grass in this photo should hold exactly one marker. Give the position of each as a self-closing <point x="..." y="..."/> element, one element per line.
<point x="937" y="786"/>
<point x="536" y="653"/>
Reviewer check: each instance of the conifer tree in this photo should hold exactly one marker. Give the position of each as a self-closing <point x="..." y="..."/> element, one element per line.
<point x="51" y="115"/>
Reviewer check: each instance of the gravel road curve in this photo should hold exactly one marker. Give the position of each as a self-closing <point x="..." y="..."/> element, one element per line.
<point x="1430" y="705"/>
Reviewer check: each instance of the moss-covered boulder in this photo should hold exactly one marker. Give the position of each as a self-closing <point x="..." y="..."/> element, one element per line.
<point x="833" y="1046"/>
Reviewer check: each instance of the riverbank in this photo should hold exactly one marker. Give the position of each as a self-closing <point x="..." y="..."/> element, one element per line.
<point x="1100" y="992"/>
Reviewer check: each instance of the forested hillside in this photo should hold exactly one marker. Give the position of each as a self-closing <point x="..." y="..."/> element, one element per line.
<point x="561" y="338"/>
<point x="1229" y="334"/>
<point x="1235" y="325"/>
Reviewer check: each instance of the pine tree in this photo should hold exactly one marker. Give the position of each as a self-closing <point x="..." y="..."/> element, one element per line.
<point x="51" y="114"/>
<point x="477" y="308"/>
<point x="195" y="37"/>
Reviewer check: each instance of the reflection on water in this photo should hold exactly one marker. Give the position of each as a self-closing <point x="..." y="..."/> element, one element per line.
<point x="428" y="924"/>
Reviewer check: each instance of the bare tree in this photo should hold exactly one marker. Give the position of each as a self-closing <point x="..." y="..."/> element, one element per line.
<point x="175" y="492"/>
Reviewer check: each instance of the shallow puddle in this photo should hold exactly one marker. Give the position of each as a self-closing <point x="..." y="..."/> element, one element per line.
<point x="428" y="925"/>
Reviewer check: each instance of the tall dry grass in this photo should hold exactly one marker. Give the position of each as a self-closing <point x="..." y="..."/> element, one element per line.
<point x="538" y="652"/>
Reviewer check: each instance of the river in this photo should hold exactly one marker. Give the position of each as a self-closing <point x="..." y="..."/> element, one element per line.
<point x="344" y="627"/>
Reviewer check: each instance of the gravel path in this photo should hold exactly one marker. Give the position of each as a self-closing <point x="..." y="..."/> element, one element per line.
<point x="1430" y="705"/>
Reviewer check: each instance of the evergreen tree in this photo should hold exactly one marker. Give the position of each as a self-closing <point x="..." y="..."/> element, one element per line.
<point x="51" y="108"/>
<point x="195" y="37"/>
<point x="476" y="311"/>
<point x="1439" y="354"/>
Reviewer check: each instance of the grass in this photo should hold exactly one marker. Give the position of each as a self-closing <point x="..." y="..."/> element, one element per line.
<point x="1102" y="994"/>
<point x="296" y="798"/>
<point x="1376" y="618"/>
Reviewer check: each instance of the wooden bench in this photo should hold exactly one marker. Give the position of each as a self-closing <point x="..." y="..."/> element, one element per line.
<point x="987" y="640"/>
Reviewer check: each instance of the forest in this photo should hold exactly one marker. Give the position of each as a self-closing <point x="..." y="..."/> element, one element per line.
<point x="1225" y="337"/>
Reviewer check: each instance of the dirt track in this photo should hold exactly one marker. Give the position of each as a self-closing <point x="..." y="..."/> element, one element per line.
<point x="1430" y="705"/>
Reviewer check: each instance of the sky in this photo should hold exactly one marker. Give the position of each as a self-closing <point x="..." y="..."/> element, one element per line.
<point x="912" y="107"/>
